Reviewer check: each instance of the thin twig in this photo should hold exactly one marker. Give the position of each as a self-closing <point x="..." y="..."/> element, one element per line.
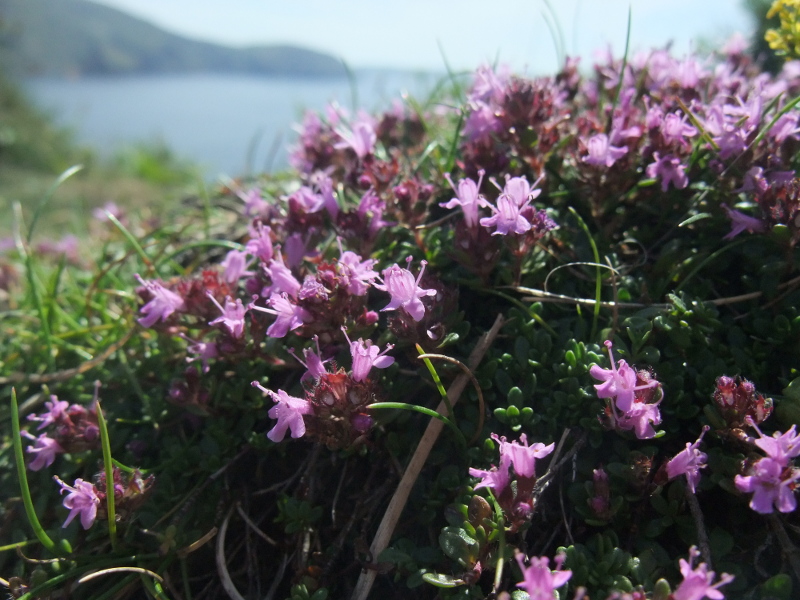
<point x="545" y="296"/>
<point x="253" y="526"/>
<point x="702" y="534"/>
<point x="544" y="480"/>
<point x="184" y="552"/>
<point x="37" y="561"/>
<point x="437" y="222"/>
<point x="222" y="567"/>
<point x="95" y="574"/>
<point x="434" y="428"/>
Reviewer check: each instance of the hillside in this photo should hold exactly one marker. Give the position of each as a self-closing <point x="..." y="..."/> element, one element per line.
<point x="74" y="38"/>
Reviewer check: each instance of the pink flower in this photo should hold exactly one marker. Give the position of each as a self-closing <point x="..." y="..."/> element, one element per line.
<point x="323" y="182"/>
<point x="289" y="316"/>
<point x="674" y="129"/>
<point x="282" y="278"/>
<point x="203" y="351"/>
<point x="772" y="484"/>
<point x="601" y="152"/>
<point x="232" y="317"/>
<point x="356" y="271"/>
<point x="289" y="412"/>
<point x="405" y="290"/>
<point x="784" y="127"/>
<point x="44" y="450"/>
<point x="698" y="583"/>
<point x="482" y="119"/>
<point x="539" y="581"/>
<point x="260" y="244"/>
<point x="313" y="362"/>
<point x="82" y="500"/>
<point x="689" y="462"/>
<point x="254" y="204"/>
<point x="520" y="191"/>
<point x="468" y="197"/>
<point x="781" y="447"/>
<point x="161" y="306"/>
<point x="669" y="170"/>
<point x="522" y="456"/>
<point x="618" y="382"/>
<point x="361" y="139"/>
<point x="365" y="356"/>
<point x="235" y="266"/>
<point x="640" y="418"/>
<point x="496" y="478"/>
<point x="306" y="200"/>
<point x="56" y="411"/>
<point x="741" y="222"/>
<point x="507" y="217"/>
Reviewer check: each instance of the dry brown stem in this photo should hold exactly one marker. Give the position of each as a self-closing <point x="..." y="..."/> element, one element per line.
<point x="398" y="501"/>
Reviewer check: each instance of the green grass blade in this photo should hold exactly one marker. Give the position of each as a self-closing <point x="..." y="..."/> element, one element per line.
<point x="48" y="195"/>
<point x="27" y="501"/>
<point x="108" y="464"/>
<point x="131" y="239"/>
<point x="598" y="285"/>
<point x="425" y="411"/>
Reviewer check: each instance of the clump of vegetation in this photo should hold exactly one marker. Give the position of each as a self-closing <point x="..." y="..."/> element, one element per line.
<point x="532" y="337"/>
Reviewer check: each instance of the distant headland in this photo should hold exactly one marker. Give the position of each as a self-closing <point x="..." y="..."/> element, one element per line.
<point x="78" y="38"/>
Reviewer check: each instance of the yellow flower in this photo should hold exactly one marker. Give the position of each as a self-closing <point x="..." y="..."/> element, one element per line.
<point x="785" y="39"/>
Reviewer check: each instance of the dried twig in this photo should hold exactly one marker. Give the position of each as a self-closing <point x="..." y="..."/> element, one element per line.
<point x="253" y="526"/>
<point x="222" y="567"/>
<point x="702" y="535"/>
<point x="95" y="574"/>
<point x="434" y="428"/>
<point x="545" y="296"/>
<point x="196" y="545"/>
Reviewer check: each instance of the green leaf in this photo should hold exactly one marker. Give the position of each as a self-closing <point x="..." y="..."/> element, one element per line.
<point x="459" y="545"/>
<point x="694" y="218"/>
<point x="792" y="390"/>
<point x="778" y="587"/>
<point x="441" y="580"/>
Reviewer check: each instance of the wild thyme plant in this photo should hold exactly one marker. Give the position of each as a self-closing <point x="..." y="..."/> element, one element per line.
<point x="593" y="275"/>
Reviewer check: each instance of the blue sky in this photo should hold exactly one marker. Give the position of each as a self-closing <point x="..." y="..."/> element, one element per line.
<point x="410" y="33"/>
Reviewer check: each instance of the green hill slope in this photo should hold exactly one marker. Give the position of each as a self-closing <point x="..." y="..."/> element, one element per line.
<point x="73" y="38"/>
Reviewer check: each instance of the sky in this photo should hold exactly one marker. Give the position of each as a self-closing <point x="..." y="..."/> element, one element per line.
<point x="427" y="34"/>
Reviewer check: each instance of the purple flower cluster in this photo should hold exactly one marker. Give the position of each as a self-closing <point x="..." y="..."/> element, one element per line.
<point x="698" y="582"/>
<point x="664" y="110"/>
<point x="88" y="500"/>
<point x="773" y="479"/>
<point x="634" y="397"/>
<point x="517" y="500"/>
<point x="335" y="404"/>
<point x="72" y="428"/>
